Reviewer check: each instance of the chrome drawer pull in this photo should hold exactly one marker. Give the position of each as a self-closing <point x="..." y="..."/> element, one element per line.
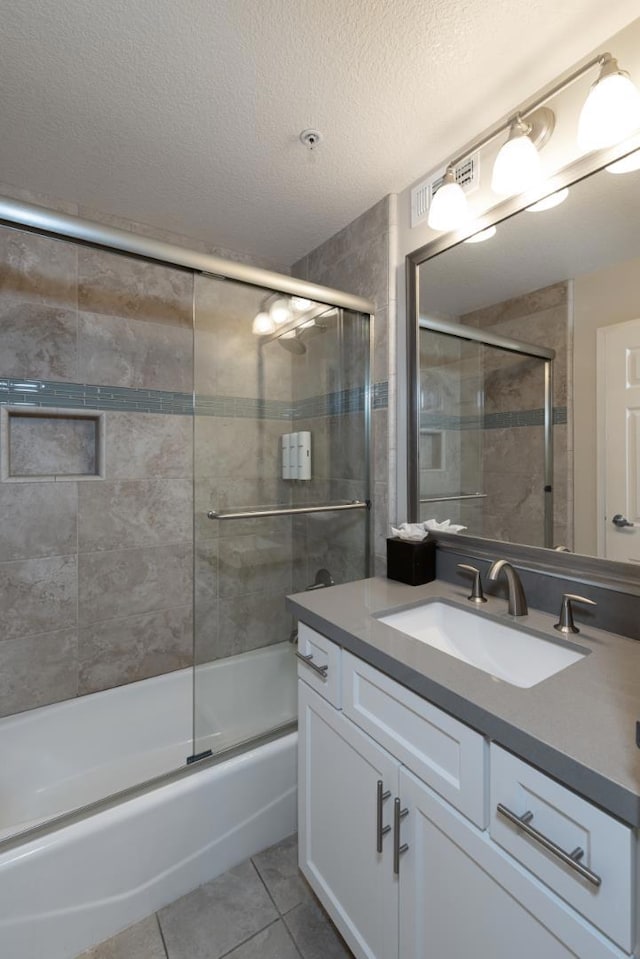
<point x="398" y="849"/>
<point x="572" y="860"/>
<point x="381" y="831"/>
<point x="308" y="660"/>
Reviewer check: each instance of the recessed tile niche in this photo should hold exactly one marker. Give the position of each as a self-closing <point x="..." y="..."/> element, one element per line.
<point x="46" y="444"/>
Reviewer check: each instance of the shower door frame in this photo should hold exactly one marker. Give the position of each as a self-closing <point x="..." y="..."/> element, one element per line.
<point x="462" y="332"/>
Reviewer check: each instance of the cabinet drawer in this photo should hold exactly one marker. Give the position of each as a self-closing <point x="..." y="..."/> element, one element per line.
<point x="569" y="823"/>
<point x="443" y="752"/>
<point x="323" y="654"/>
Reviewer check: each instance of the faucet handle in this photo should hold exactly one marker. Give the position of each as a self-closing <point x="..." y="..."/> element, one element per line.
<point x="476" y="595"/>
<point x="566" y="624"/>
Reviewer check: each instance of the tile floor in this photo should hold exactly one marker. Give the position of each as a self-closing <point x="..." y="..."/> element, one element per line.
<point x="262" y="909"/>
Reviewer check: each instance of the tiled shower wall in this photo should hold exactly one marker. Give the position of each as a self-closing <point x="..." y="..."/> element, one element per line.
<point x="512" y="434"/>
<point x="95" y="574"/>
<point x="96" y="578"/>
<point x="358" y="260"/>
<point x="271" y="391"/>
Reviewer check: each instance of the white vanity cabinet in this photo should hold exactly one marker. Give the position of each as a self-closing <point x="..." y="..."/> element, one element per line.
<point x="394" y="837"/>
<point x="340" y="768"/>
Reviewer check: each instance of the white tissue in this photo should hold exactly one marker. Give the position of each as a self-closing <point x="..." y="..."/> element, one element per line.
<point x="413" y="532"/>
<point x="446" y="526"/>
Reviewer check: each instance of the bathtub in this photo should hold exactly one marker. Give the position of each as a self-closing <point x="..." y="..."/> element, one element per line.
<point x="68" y="888"/>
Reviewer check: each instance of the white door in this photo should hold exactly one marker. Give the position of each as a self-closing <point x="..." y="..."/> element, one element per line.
<point x="462" y="897"/>
<point x="619" y="441"/>
<point x="339" y="771"/>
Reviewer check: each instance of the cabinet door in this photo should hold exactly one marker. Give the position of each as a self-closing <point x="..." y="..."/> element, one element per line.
<point x="339" y="771"/>
<point x="462" y="896"/>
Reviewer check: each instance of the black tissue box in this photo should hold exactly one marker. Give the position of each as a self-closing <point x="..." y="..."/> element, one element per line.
<point x="412" y="563"/>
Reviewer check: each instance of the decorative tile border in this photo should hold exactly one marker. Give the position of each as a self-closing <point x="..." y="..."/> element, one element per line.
<point x="48" y="393"/>
<point x="492" y="421"/>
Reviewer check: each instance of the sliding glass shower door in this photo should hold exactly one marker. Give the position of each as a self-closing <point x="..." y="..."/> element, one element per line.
<point x="484" y="446"/>
<point x="281" y="485"/>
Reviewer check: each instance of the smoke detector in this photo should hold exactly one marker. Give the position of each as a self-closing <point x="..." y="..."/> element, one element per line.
<point x="310" y="138"/>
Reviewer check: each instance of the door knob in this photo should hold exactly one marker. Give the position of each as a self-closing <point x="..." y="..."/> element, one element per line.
<point x="621" y="521"/>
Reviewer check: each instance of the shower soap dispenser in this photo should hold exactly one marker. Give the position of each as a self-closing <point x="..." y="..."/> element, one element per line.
<point x="296" y="455"/>
<point x="285" y="440"/>
<point x="304" y="455"/>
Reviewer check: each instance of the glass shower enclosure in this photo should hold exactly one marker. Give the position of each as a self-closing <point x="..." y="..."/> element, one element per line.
<point x="167" y="477"/>
<point x="484" y="455"/>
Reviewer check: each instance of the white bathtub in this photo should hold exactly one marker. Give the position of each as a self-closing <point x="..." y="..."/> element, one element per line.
<point x="77" y="885"/>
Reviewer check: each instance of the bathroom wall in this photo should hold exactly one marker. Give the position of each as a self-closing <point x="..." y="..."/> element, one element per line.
<point x="360" y="259"/>
<point x="512" y="433"/>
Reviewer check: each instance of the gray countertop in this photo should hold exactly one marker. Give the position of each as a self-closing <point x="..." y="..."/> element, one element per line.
<point x="578" y="726"/>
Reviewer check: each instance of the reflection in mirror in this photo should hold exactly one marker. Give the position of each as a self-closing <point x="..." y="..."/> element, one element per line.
<point x="472" y="397"/>
<point x="567" y="279"/>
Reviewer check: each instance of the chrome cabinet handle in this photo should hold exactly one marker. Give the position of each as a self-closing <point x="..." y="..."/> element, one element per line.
<point x="570" y="859"/>
<point x="381" y="831"/>
<point x="308" y="660"/>
<point x="398" y="849"/>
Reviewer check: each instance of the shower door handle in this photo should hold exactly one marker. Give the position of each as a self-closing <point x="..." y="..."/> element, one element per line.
<point x="308" y="661"/>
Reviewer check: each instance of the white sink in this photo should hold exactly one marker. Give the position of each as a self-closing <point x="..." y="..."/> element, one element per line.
<point x="499" y="649"/>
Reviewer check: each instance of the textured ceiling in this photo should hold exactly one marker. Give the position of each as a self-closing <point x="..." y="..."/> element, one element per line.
<point x="186" y="115"/>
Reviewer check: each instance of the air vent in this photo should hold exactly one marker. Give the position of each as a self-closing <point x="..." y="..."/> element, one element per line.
<point x="467" y="175"/>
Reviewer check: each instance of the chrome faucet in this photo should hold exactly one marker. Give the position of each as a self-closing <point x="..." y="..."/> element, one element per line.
<point x="517" y="599"/>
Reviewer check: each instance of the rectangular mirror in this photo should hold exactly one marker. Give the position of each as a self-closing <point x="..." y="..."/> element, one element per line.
<point x="486" y="447"/>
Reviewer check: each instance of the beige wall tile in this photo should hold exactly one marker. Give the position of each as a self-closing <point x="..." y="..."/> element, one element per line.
<point x="255" y="563"/>
<point x="37" y="341"/>
<point x="121" y="651"/>
<point x="148" y="445"/>
<point x="38" y="595"/>
<point x="38" y="519"/>
<point x="252" y="621"/>
<point x="120" y="351"/>
<point x="120" y="583"/>
<point x="38" y="670"/>
<point x="38" y="270"/>
<point x="129" y="513"/>
<point x="112" y="284"/>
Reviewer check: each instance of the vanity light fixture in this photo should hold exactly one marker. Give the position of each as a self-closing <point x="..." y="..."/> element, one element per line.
<point x="482" y="235"/>
<point x="611" y="114"/>
<point x="548" y="202"/>
<point x="517" y="167"/>
<point x="262" y="324"/>
<point x="627" y="164"/>
<point x="448" y="209"/>
<point x="301" y="303"/>
<point x="280" y="311"/>
<point x="611" y="111"/>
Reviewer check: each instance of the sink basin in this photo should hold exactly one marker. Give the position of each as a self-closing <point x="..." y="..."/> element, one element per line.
<point x="502" y="650"/>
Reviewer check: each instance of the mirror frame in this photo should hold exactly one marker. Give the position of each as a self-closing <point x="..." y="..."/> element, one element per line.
<point x="622" y="577"/>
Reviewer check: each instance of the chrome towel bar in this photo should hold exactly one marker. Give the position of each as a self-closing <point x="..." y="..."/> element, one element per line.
<point x="288" y="510"/>
<point x="454" y="496"/>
